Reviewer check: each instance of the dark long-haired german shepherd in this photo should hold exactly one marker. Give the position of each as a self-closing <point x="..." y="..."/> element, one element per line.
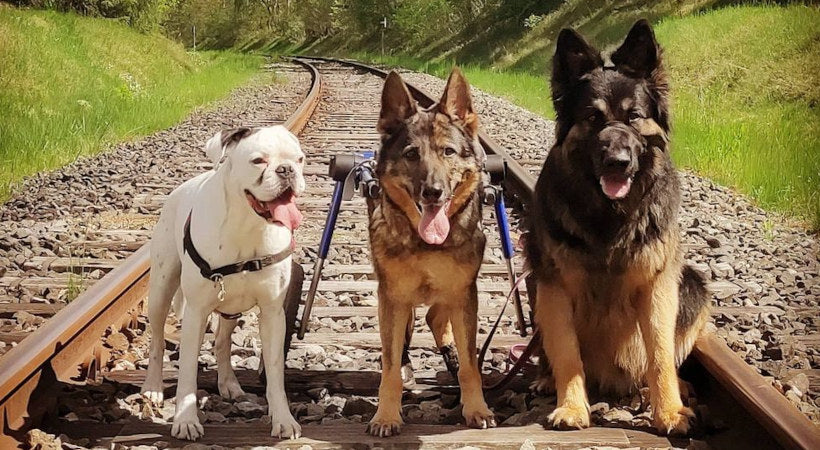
<point x="425" y="238"/>
<point x="615" y="304"/>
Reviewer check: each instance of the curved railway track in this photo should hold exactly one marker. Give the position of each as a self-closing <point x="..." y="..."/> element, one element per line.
<point x="338" y="116"/>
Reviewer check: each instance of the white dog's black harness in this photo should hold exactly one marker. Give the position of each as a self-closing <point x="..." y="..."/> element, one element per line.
<point x="217" y="275"/>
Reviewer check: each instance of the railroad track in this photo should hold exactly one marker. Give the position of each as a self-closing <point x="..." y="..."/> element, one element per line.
<point x="77" y="349"/>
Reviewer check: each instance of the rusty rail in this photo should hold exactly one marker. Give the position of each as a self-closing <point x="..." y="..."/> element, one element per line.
<point x="69" y="346"/>
<point x="769" y="408"/>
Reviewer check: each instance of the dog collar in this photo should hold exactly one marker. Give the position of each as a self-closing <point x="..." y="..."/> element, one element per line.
<point x="216" y="275"/>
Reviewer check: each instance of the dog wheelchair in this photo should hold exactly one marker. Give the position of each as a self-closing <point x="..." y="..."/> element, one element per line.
<point x="357" y="173"/>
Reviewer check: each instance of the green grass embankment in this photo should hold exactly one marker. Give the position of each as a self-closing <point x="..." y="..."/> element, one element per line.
<point x="70" y="85"/>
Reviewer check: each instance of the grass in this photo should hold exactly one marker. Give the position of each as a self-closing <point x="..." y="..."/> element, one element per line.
<point x="71" y="85"/>
<point x="746" y="84"/>
<point x="746" y="89"/>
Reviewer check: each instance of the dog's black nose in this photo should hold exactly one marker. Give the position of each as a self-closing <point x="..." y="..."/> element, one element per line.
<point x="285" y="170"/>
<point x="617" y="160"/>
<point x="432" y="193"/>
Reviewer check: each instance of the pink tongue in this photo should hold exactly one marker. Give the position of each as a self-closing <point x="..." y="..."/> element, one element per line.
<point x="615" y="187"/>
<point x="285" y="212"/>
<point x="434" y="225"/>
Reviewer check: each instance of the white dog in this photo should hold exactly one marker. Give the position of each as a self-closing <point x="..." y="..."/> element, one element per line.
<point x="226" y="235"/>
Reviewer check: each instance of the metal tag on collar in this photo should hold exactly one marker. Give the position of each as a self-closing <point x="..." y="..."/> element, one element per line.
<point x="219" y="283"/>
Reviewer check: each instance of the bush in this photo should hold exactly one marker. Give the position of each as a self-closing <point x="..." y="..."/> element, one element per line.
<point x="419" y="22"/>
<point x="144" y="15"/>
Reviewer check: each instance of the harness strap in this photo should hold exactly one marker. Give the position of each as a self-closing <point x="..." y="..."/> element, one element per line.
<point x="229" y="316"/>
<point x="251" y="265"/>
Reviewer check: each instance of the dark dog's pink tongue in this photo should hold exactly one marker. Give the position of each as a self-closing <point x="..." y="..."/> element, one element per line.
<point x="434" y="225"/>
<point x="284" y="211"/>
<point x="616" y="186"/>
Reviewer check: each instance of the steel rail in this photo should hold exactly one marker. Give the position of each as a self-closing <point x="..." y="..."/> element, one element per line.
<point x="69" y="344"/>
<point x="772" y="410"/>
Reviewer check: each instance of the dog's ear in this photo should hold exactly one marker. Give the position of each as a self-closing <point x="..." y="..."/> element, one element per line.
<point x="397" y="105"/>
<point x="574" y="57"/>
<point x="457" y="102"/>
<point x="215" y="147"/>
<point x="639" y="55"/>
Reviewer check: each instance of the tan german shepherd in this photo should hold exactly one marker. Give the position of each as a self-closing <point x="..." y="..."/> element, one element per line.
<point x="425" y="239"/>
<point x="616" y="306"/>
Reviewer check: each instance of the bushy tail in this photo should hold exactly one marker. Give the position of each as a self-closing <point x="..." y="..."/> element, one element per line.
<point x="694" y="297"/>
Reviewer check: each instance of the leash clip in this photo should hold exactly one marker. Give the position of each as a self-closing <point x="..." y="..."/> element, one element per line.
<point x="219" y="283"/>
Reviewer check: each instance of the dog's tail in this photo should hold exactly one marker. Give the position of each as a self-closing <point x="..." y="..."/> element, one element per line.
<point x="694" y="297"/>
<point x="693" y="312"/>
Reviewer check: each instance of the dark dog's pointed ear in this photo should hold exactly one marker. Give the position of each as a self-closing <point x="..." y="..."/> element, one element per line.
<point x="573" y="58"/>
<point x="639" y="55"/>
<point x="397" y="104"/>
<point x="457" y="102"/>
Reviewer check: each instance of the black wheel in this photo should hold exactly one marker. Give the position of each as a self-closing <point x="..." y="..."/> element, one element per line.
<point x="340" y="166"/>
<point x="496" y="167"/>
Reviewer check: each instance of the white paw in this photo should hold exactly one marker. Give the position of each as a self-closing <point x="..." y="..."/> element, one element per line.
<point x="569" y="417"/>
<point x="188" y="429"/>
<point x="152" y="392"/>
<point x="283" y="425"/>
<point x="230" y="388"/>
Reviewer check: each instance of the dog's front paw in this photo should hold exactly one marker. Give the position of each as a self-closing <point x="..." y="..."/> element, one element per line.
<point x="569" y="417"/>
<point x="153" y="396"/>
<point x="230" y="388"/>
<point x="189" y="429"/>
<point x="385" y="425"/>
<point x="152" y="390"/>
<point x="674" y="422"/>
<point x="544" y="384"/>
<point x="285" y="426"/>
<point x="480" y="417"/>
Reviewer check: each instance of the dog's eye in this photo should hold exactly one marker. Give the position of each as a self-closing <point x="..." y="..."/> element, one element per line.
<point x="634" y="116"/>
<point x="593" y="117"/>
<point x="259" y="161"/>
<point x="411" y="153"/>
<point x="450" y="151"/>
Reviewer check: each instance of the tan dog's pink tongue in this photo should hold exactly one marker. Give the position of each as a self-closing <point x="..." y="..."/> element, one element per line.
<point x="285" y="212"/>
<point x="434" y="225"/>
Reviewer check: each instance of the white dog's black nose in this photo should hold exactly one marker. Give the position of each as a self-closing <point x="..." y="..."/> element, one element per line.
<point x="285" y="170"/>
